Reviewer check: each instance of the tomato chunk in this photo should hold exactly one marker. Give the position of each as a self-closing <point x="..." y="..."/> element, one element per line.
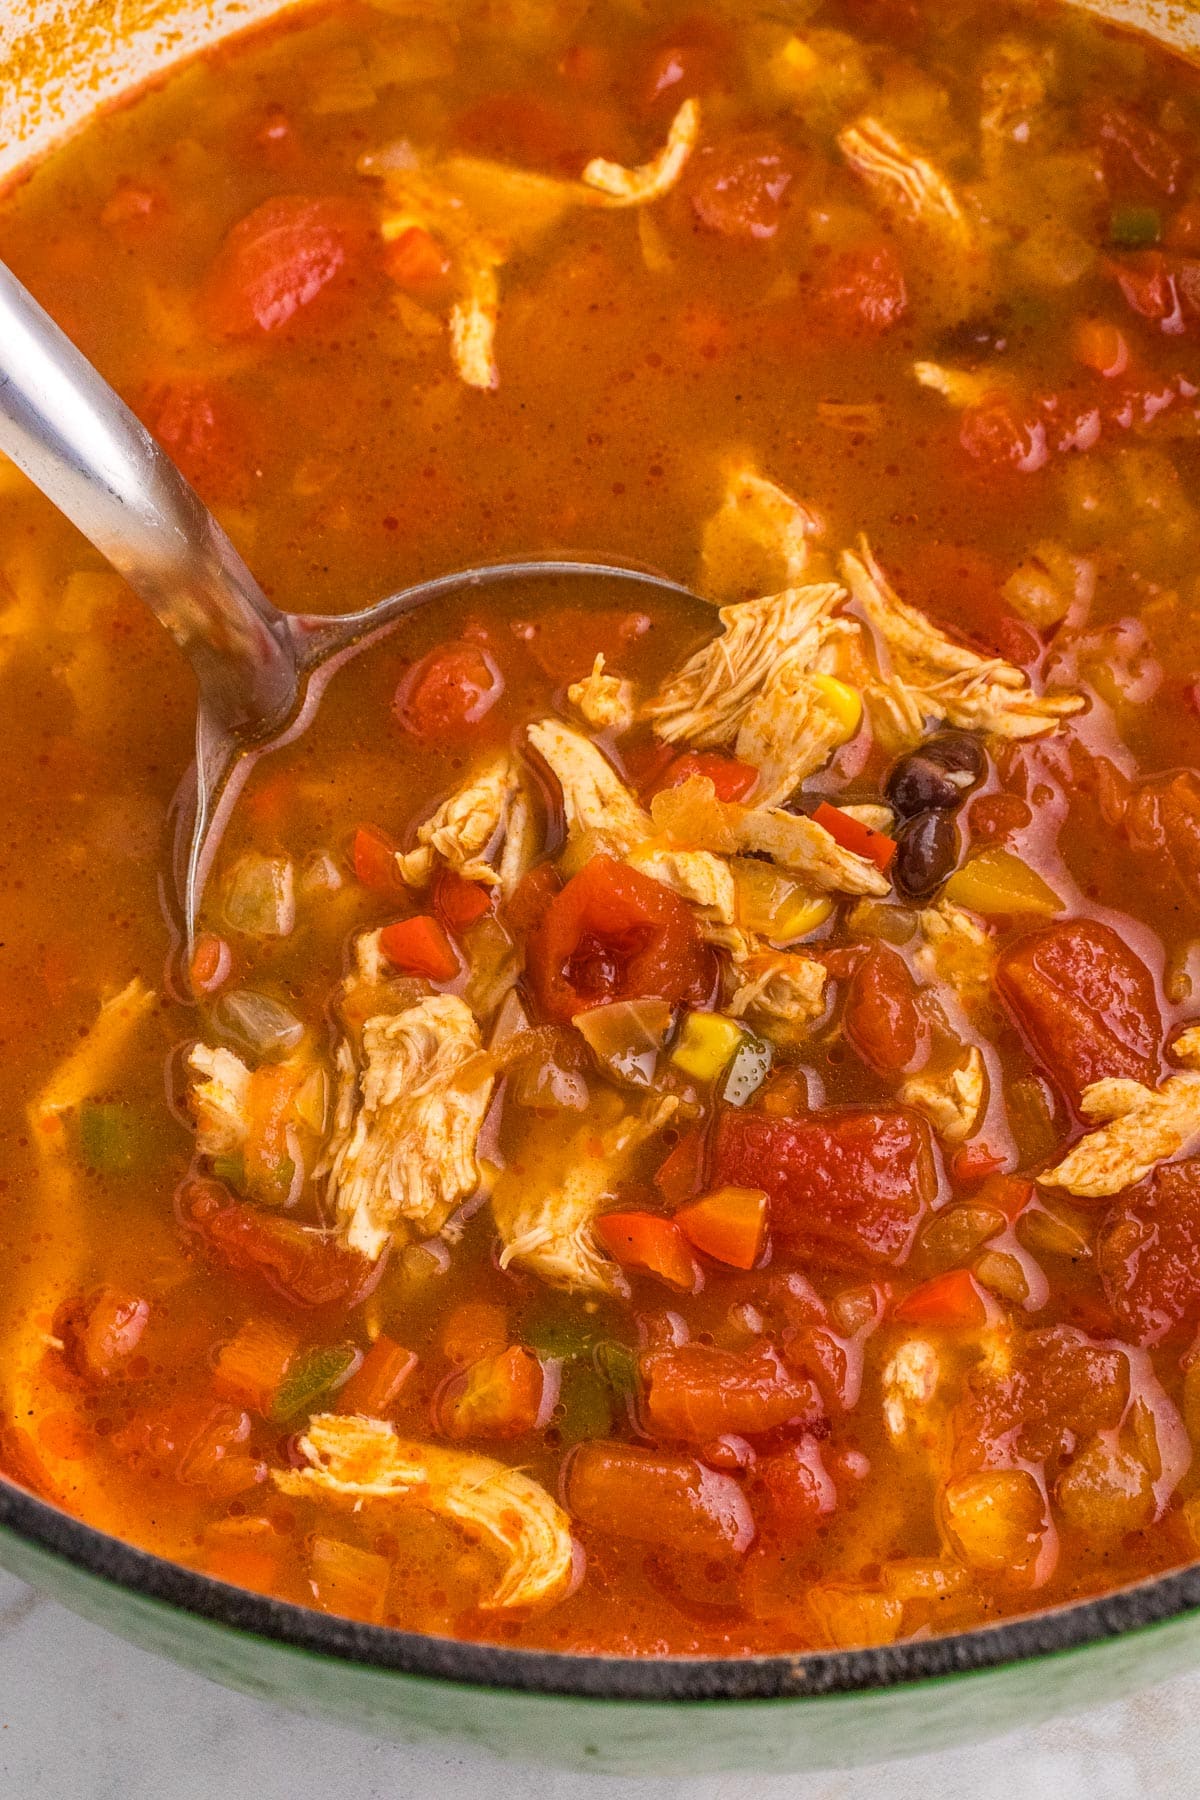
<point x="1149" y="1254"/>
<point x="615" y="934"/>
<point x="459" y="903"/>
<point x="200" y="427"/>
<point x="650" y="1245"/>
<point x="739" y="188"/>
<point x="279" y="258"/>
<point x="859" y="292"/>
<point x="416" y="261"/>
<point x="852" y="1182"/>
<point x="731" y="779"/>
<point x="419" y="946"/>
<point x="1086" y="1002"/>
<point x="881" y="1017"/>
<point x="698" y="1392"/>
<point x="448" y="692"/>
<point x="654" y="1497"/>
<point x="1162" y="818"/>
<point x="1135" y="149"/>
<point x="102" y="1332"/>
<point x="303" y="1264"/>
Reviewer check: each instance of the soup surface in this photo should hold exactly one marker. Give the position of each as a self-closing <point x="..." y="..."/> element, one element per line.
<point x="681" y="1131"/>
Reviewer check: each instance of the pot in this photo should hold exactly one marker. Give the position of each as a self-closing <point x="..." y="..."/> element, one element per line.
<point x="60" y="62"/>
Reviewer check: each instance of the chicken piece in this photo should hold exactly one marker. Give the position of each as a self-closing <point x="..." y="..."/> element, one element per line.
<point x="356" y="1460"/>
<point x="757" y="541"/>
<point x="545" y="1215"/>
<point x="484" y="213"/>
<point x="932" y="677"/>
<point x="707" y="701"/>
<point x="790" y="731"/>
<point x="595" y="799"/>
<point x="907" y="182"/>
<point x="910" y="1382"/>
<point x="704" y="881"/>
<point x="692" y="816"/>
<point x="407" y="1122"/>
<point x="468" y="831"/>
<point x="780" y="992"/>
<point x="219" y="1100"/>
<point x="1139" y="1127"/>
<point x="1014" y="79"/>
<point x="956" y="949"/>
<point x="953" y="1101"/>
<point x="606" y="701"/>
<point x="961" y="387"/>
<point x="93" y="1064"/>
<point x="650" y="180"/>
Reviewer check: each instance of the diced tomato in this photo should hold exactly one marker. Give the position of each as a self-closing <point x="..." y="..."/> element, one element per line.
<point x="697" y="1392"/>
<point x="1086" y="1001"/>
<point x="1008" y="1194"/>
<point x="649" y="1245"/>
<point x="855" y="1183"/>
<point x="565" y="641"/>
<point x="972" y="1162"/>
<point x="199" y="425"/>
<point x="654" y="1497"/>
<point x="528" y="901"/>
<point x="416" y="261"/>
<point x="859" y="292"/>
<point x="419" y="946"/>
<point x="304" y="1264"/>
<point x="1148" y="1253"/>
<point x="448" y="692"/>
<point x="102" y="1331"/>
<point x="199" y="1444"/>
<point x="881" y="1017"/>
<point x="856" y="837"/>
<point x="474" y="1329"/>
<point x="1001" y="432"/>
<point x="373" y="855"/>
<point x="1162" y="819"/>
<point x="276" y="261"/>
<point x="496" y="1397"/>
<point x="1134" y="148"/>
<point x="1102" y="346"/>
<point x="458" y="903"/>
<point x="953" y="1300"/>
<point x="731" y="779"/>
<point x="739" y="187"/>
<point x="374" y="1385"/>
<point x="729" y="1225"/>
<point x="796" y="1488"/>
<point x="681" y="1174"/>
<point x="615" y="934"/>
<point x="994" y="818"/>
<point x="1148" y="279"/>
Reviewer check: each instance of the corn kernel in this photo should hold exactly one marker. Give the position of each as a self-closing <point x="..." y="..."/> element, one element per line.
<point x="706" y="1044"/>
<point x="800" y="915"/>
<point x="843" y="701"/>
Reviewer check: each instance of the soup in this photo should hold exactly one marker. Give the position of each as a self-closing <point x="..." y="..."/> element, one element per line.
<point x="680" y="1132"/>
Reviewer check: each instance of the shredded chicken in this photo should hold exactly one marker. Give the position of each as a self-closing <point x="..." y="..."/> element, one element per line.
<point x="407" y="1122"/>
<point x="707" y="701"/>
<point x="468" y="832"/>
<point x="545" y="1215"/>
<point x="703" y="880"/>
<point x="954" y="1100"/>
<point x="606" y="701"/>
<point x="1139" y="1127"/>
<point x="918" y="191"/>
<point x="692" y="816"/>
<point x="956" y="949"/>
<point x="934" y="678"/>
<point x="757" y="541"/>
<point x="219" y="1100"/>
<point x="484" y="213"/>
<point x="595" y="799"/>
<point x="357" y="1459"/>
<point x="790" y="731"/>
<point x="780" y="992"/>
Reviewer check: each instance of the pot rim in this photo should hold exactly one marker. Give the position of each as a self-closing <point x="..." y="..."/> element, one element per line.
<point x="649" y="1679"/>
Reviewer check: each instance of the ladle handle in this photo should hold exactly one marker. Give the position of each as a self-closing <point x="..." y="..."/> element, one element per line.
<point x="77" y="441"/>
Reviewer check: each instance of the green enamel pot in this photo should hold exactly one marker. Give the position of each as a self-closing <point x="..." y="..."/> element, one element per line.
<point x="60" y="61"/>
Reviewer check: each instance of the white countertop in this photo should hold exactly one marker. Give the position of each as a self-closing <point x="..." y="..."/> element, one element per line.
<point x="86" y="1717"/>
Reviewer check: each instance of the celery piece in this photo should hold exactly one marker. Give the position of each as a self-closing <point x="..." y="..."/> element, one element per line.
<point x="1134" y="227"/>
<point x="617" y="1363"/>
<point x="312" y="1375"/>
<point x="587" y="1405"/>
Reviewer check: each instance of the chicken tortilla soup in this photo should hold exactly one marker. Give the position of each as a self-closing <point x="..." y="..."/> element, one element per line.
<point x="680" y="1132"/>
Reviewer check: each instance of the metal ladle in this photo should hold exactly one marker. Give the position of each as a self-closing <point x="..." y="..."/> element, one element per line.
<point x="256" y="667"/>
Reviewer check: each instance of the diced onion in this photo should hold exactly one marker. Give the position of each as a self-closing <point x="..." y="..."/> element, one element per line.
<point x="254" y="1022"/>
<point x="260" y="895"/>
<point x="626" y="1036"/>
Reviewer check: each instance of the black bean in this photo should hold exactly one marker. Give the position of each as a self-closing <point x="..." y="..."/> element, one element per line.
<point x="917" y="785"/>
<point x="926" y="853"/>
<point x="959" y="753"/>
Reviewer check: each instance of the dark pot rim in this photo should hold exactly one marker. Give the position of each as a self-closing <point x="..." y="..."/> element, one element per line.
<point x="622" y="1678"/>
